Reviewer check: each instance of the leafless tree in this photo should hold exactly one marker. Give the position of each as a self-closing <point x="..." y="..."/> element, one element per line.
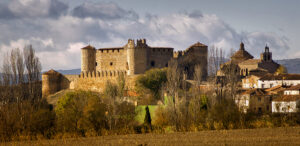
<point x="20" y="66"/>
<point x="13" y="65"/>
<point x="33" y="68"/>
<point x="215" y="60"/>
<point x="172" y="87"/>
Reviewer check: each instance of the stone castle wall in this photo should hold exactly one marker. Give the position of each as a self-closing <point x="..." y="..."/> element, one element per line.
<point x="100" y="65"/>
<point x="111" y="59"/>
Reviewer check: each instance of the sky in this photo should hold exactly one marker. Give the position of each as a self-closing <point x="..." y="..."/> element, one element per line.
<point x="57" y="29"/>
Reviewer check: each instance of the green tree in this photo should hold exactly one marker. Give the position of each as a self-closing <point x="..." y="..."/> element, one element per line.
<point x="152" y="80"/>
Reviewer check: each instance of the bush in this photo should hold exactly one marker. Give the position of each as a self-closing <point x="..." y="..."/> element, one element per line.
<point x="80" y="111"/>
<point x="152" y="80"/>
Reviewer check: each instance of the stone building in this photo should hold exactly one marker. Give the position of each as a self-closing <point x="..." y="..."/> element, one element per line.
<point x="254" y="100"/>
<point x="134" y="58"/>
<point x="247" y="64"/>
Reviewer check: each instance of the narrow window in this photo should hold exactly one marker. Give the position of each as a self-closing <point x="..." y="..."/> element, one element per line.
<point x="96" y="63"/>
<point x="152" y="63"/>
<point x="111" y="63"/>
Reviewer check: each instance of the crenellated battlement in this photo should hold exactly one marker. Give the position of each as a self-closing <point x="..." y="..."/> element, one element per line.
<point x="102" y="74"/>
<point x="110" y="50"/>
<point x="134" y="58"/>
<point x="179" y="54"/>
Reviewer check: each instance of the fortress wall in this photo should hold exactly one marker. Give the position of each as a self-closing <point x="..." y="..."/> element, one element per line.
<point x="111" y="59"/>
<point x="191" y="57"/>
<point x="98" y="82"/>
<point x="159" y="57"/>
<point x="67" y="81"/>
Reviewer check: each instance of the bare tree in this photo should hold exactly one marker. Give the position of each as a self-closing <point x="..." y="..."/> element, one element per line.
<point x="33" y="68"/>
<point x="215" y="59"/>
<point x="173" y="85"/>
<point x="13" y="65"/>
<point x="20" y="66"/>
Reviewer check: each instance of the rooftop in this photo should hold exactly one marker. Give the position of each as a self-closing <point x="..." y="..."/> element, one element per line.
<point x="250" y="61"/>
<point x="51" y="72"/>
<point x="288" y="98"/>
<point x="297" y="87"/>
<point x="242" y="54"/>
<point x="88" y="47"/>
<point x="281" y="77"/>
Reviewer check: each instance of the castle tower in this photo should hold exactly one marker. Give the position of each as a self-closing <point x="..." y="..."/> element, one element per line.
<point x="130" y="46"/>
<point x="141" y="58"/>
<point x="88" y="59"/>
<point x="50" y="82"/>
<point x="267" y="55"/>
<point x="137" y="56"/>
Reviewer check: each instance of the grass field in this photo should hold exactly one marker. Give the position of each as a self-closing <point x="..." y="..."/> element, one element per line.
<point x="265" y="136"/>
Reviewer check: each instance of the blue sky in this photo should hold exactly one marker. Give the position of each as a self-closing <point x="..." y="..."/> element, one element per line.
<point x="59" y="28"/>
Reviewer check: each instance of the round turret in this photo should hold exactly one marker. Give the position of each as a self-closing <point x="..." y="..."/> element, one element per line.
<point x="130" y="56"/>
<point x="88" y="59"/>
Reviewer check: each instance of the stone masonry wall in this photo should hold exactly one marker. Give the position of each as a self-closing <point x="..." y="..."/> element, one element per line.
<point x="111" y="59"/>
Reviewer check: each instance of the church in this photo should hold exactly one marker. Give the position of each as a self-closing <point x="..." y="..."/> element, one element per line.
<point x="247" y="65"/>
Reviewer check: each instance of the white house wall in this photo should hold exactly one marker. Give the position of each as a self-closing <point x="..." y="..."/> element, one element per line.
<point x="268" y="83"/>
<point x="291" y="92"/>
<point x="284" y="106"/>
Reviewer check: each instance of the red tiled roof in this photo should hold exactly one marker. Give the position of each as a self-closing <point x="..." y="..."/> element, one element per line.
<point x="254" y="91"/>
<point x="281" y="77"/>
<point x="297" y="87"/>
<point x="288" y="98"/>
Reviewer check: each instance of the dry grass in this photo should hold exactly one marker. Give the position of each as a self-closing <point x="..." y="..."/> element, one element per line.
<point x="265" y="136"/>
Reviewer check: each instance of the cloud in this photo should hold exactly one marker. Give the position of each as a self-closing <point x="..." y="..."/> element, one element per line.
<point x="58" y="41"/>
<point x="32" y="9"/>
<point x="106" y="11"/>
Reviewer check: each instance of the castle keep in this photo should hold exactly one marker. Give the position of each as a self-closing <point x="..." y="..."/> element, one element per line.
<point x="134" y="58"/>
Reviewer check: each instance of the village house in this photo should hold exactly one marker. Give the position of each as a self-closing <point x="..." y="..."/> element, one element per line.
<point x="286" y="104"/>
<point x="271" y="80"/>
<point x="289" y="102"/>
<point x="251" y="81"/>
<point x="254" y="100"/>
<point x="294" y="90"/>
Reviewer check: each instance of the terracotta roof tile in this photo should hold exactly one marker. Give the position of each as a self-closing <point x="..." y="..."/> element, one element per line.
<point x="297" y="87"/>
<point x="281" y="77"/>
<point x="288" y="98"/>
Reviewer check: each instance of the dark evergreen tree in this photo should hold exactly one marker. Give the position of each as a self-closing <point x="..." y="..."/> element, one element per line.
<point x="147" y="120"/>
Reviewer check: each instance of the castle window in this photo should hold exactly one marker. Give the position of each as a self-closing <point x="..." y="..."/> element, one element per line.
<point x="111" y="63"/>
<point x="152" y="63"/>
<point x="96" y="63"/>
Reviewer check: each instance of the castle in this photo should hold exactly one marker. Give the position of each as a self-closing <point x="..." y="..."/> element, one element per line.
<point x="131" y="60"/>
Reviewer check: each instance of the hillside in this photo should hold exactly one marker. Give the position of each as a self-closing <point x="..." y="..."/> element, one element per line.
<point x="292" y="65"/>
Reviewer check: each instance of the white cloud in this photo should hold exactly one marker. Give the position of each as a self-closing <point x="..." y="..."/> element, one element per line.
<point x="106" y="11"/>
<point x="58" y="41"/>
<point x="32" y="9"/>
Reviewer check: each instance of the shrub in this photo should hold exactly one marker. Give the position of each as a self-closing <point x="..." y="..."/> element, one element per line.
<point x="152" y="80"/>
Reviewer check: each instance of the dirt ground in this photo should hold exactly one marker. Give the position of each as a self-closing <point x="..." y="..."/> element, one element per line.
<point x="266" y="136"/>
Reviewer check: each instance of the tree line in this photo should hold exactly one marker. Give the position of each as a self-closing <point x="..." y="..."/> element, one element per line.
<point x="181" y="105"/>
